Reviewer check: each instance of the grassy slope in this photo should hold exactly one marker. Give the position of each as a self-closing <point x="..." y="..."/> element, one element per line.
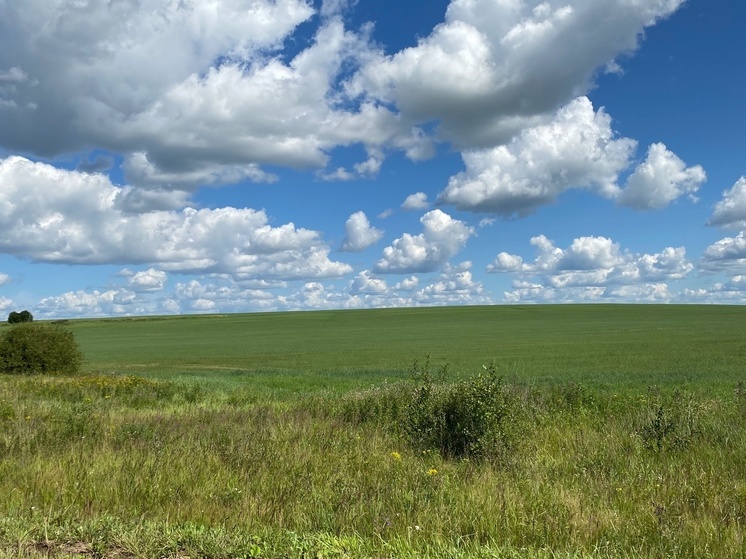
<point x="606" y="344"/>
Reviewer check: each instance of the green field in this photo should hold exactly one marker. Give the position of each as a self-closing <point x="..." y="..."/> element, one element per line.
<point x="622" y="434"/>
<point x="597" y="344"/>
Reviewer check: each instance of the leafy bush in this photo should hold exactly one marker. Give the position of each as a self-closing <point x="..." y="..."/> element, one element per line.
<point x="19" y="317"/>
<point x="39" y="349"/>
<point x="470" y="418"/>
<point x="673" y="422"/>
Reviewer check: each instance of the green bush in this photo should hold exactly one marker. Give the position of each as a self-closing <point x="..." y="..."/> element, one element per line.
<point x="472" y="418"/>
<point x="19" y="317"/>
<point x="28" y="349"/>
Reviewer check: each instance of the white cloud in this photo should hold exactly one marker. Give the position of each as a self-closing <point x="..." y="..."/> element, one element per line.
<point x="5" y="303"/>
<point x="205" y="93"/>
<point x="416" y="201"/>
<point x="360" y="233"/>
<point x="92" y="65"/>
<point x="365" y="283"/>
<point x="577" y="150"/>
<point x="728" y="254"/>
<point x="93" y="303"/>
<point x="52" y="215"/>
<point x="4" y="278"/>
<point x="442" y="237"/>
<point x="144" y="174"/>
<point x="492" y="68"/>
<point x="731" y="292"/>
<point x="590" y="268"/>
<point x="730" y="212"/>
<point x="148" y="280"/>
<point x="659" y="180"/>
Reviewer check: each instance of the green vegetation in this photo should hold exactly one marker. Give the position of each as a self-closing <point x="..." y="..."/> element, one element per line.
<point x="19" y="317"/>
<point x="240" y="458"/>
<point x="34" y="349"/>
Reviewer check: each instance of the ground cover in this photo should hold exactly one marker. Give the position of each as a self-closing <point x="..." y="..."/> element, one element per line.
<point x="591" y="344"/>
<point x="237" y="461"/>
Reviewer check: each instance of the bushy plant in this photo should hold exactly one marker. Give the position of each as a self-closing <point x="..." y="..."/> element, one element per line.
<point x="469" y="418"/>
<point x="673" y="423"/>
<point x="39" y="349"/>
<point x="19" y="317"/>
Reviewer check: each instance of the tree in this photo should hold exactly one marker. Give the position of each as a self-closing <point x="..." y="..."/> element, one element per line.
<point x="28" y="349"/>
<point x="19" y="317"/>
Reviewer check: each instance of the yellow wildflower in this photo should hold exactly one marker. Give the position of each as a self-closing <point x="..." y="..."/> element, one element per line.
<point x="432" y="472"/>
<point x="396" y="456"/>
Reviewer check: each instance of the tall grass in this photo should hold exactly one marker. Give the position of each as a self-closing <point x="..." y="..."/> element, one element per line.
<point x="106" y="464"/>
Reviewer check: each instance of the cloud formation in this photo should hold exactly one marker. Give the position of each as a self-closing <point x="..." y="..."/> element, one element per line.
<point x="360" y="233"/>
<point x="578" y="149"/>
<point x="416" y="201"/>
<point x="591" y="268"/>
<point x="52" y="215"/>
<point x="730" y="212"/>
<point x="206" y="93"/>
<point x="493" y="68"/>
<point x="442" y="237"/>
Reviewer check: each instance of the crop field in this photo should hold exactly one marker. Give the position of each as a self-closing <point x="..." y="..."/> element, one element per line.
<point x="578" y="431"/>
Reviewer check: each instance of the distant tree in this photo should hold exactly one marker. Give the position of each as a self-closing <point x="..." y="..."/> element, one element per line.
<point x="19" y="317"/>
<point x="28" y="349"/>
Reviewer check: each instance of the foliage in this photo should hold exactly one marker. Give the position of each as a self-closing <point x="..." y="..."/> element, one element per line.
<point x="470" y="418"/>
<point x="673" y="423"/>
<point x="103" y="466"/>
<point x="19" y="317"/>
<point x="39" y="349"/>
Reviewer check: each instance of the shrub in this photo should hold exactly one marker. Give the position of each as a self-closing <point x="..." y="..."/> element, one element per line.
<point x="469" y="418"/>
<point x="19" y="317"/>
<point x="673" y="423"/>
<point x="39" y="349"/>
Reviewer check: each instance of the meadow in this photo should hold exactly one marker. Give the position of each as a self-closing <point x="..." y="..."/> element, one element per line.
<point x="622" y="433"/>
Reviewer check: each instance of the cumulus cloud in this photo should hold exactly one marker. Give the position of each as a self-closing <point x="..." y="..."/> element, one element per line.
<point x="455" y="285"/>
<point x="360" y="233"/>
<point x="364" y="282"/>
<point x="52" y="215"/>
<point x="71" y="54"/>
<point x="728" y="254"/>
<point x="416" y="201"/>
<point x="578" y="149"/>
<point x="148" y="280"/>
<point x="590" y="268"/>
<point x="659" y="180"/>
<point x="196" y="93"/>
<point x="493" y="68"/>
<point x="4" y="278"/>
<point x="442" y="237"/>
<point x="730" y="212"/>
<point x="92" y="303"/>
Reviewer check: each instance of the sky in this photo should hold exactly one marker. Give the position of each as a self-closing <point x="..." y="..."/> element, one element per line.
<point x="216" y="156"/>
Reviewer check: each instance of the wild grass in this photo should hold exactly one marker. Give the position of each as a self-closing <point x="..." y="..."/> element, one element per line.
<point x="622" y="434"/>
<point x="123" y="466"/>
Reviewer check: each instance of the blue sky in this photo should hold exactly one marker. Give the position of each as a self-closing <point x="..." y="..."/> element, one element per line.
<point x="257" y="155"/>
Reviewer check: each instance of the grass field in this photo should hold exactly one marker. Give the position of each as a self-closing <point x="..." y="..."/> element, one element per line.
<point x="284" y="435"/>
<point x="595" y="344"/>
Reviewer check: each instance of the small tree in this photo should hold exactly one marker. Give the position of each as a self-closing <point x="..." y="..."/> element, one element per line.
<point x="39" y="349"/>
<point x="19" y="317"/>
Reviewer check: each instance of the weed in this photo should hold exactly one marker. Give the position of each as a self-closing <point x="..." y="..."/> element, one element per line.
<point x="469" y="418"/>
